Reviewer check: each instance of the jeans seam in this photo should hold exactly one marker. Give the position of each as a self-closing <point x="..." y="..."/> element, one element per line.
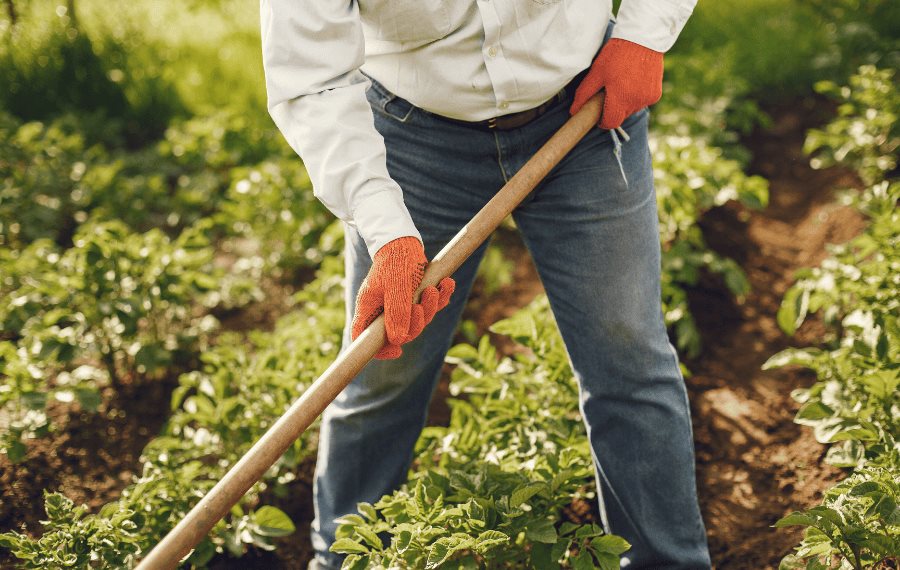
<point x="500" y="157"/>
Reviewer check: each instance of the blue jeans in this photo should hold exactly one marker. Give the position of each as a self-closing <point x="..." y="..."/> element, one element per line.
<point x="591" y="227"/>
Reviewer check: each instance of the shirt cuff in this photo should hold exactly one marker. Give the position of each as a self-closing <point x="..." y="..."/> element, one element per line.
<point x="654" y="25"/>
<point x="383" y="217"/>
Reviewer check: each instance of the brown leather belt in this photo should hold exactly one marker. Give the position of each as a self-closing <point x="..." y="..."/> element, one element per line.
<point x="511" y="121"/>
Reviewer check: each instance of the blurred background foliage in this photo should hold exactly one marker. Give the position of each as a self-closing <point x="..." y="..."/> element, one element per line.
<point x="145" y="194"/>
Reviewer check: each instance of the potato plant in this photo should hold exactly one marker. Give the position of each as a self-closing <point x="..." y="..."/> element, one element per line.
<point x="116" y="307"/>
<point x="487" y="491"/>
<point x="865" y="136"/>
<point x="269" y="210"/>
<point x="693" y="174"/>
<point x="219" y="411"/>
<point x="856" y="526"/>
<point x="40" y="168"/>
<point x="855" y="403"/>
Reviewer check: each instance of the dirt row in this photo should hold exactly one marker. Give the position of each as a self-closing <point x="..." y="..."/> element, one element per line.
<point x="754" y="463"/>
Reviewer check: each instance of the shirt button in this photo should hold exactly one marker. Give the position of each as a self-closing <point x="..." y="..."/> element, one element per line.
<point x="504" y="105"/>
<point x="492" y="51"/>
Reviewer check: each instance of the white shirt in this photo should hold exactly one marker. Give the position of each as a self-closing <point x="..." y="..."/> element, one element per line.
<point x="467" y="59"/>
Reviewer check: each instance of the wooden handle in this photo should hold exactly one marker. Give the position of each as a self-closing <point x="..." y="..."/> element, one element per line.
<point x="250" y="468"/>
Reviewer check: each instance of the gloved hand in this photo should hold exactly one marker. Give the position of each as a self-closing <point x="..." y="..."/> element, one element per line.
<point x="396" y="272"/>
<point x="631" y="76"/>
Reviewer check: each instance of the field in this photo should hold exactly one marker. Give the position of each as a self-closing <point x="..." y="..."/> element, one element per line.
<point x="169" y="285"/>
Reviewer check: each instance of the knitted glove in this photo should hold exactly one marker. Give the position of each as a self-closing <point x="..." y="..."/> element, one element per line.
<point x="630" y="74"/>
<point x="396" y="272"/>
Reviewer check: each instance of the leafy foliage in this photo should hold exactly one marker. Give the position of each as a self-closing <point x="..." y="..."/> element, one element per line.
<point x="865" y="136"/>
<point x="74" y="539"/>
<point x="487" y="490"/>
<point x="858" y="522"/>
<point x="855" y="403"/>
<point x="692" y="175"/>
<point x="269" y="211"/>
<point x="218" y="413"/>
<point x="116" y="306"/>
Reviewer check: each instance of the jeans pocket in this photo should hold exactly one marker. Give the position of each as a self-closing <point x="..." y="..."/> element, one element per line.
<point x="386" y="103"/>
<point x="617" y="152"/>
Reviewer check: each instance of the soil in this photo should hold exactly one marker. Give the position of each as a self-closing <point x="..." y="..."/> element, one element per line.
<point x="90" y="457"/>
<point x="753" y="463"/>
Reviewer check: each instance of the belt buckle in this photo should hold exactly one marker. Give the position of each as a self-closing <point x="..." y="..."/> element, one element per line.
<point x="492" y="123"/>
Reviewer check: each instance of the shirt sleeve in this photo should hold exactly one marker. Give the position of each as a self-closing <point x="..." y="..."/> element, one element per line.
<point x="654" y="24"/>
<point x="312" y="52"/>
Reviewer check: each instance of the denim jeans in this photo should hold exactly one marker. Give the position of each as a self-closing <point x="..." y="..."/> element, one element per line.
<point x="592" y="229"/>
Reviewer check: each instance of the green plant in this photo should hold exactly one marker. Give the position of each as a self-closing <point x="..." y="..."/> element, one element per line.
<point x="25" y="395"/>
<point x="487" y="491"/>
<point x="117" y="307"/>
<point x="855" y="401"/>
<point x="53" y="64"/>
<point x="126" y="300"/>
<point x="693" y="175"/>
<point x="495" y="271"/>
<point x="857" y="525"/>
<point x="218" y="413"/>
<point x="40" y="167"/>
<point x="270" y="210"/>
<point x="74" y="539"/>
<point x="865" y="136"/>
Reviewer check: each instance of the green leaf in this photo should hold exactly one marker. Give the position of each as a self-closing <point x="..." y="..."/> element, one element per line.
<point x="16" y="451"/>
<point x="608" y="560"/>
<point x="443" y="549"/>
<point x="272" y="521"/>
<point x="540" y="557"/>
<point x="792" y="562"/>
<point x="583" y="561"/>
<point x="525" y="492"/>
<point x="369" y="537"/>
<point x="355" y="562"/>
<point x="789" y="356"/>
<point x="367" y="510"/>
<point x="845" y="454"/>
<point x="404" y="539"/>
<point x="885" y="506"/>
<point x="610" y="543"/>
<point x="883" y="545"/>
<point x="814" y="411"/>
<point x="796" y="519"/>
<point x="865" y="488"/>
<point x="351" y="519"/>
<point x="489" y="539"/>
<point x="541" y="531"/>
<point x="348" y="546"/>
<point x="793" y="309"/>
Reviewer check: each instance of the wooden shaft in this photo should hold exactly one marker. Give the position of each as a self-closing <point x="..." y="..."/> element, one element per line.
<point x="250" y="468"/>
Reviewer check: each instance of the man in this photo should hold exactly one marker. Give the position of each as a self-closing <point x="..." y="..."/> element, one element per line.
<point x="446" y="100"/>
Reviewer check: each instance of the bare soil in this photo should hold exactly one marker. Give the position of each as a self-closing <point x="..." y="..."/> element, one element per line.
<point x="753" y="463"/>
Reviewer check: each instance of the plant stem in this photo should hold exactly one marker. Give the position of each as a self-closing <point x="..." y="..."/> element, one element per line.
<point x="856" y="563"/>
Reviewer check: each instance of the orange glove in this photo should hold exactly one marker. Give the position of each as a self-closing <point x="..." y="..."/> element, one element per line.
<point x="630" y="74"/>
<point x="396" y="272"/>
